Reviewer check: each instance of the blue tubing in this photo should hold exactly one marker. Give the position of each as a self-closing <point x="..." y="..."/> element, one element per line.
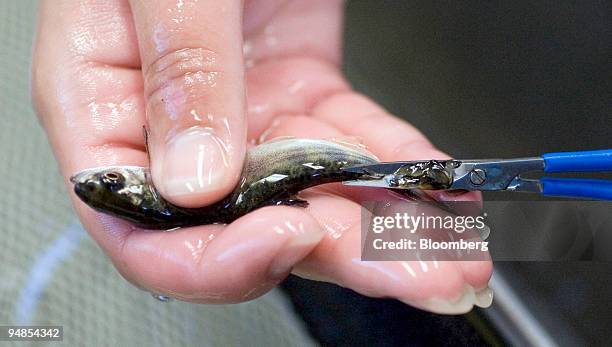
<point x="597" y="189"/>
<point x="584" y="161"/>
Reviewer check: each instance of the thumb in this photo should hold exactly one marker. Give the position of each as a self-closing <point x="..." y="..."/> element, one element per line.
<point x="192" y="64"/>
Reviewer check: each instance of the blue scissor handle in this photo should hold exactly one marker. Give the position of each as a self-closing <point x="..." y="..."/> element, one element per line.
<point x="577" y="187"/>
<point x="584" y="161"/>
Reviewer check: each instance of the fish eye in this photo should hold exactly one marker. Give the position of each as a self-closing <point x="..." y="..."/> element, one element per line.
<point x="112" y="177"/>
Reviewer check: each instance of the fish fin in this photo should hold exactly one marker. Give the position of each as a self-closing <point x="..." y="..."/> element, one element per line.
<point x="354" y="143"/>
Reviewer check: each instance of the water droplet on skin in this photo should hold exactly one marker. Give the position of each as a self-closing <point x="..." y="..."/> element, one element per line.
<point x="266" y="133"/>
<point x="108" y="115"/>
<point x="270" y="37"/>
<point x="224" y="152"/>
<point x="408" y="268"/>
<point x="423" y="264"/>
<point x="336" y="228"/>
<point x="247" y="48"/>
<point x="225" y="122"/>
<point x="161" y="37"/>
<point x="208" y="78"/>
<point x="379" y="268"/>
<point x="181" y="11"/>
<point x="196" y="250"/>
<point x="258" y="288"/>
<point x="258" y="109"/>
<point x="271" y="41"/>
<point x="195" y="115"/>
<point x="104" y="155"/>
<point x="162" y="298"/>
<point x="296" y="86"/>
<point x="435" y="262"/>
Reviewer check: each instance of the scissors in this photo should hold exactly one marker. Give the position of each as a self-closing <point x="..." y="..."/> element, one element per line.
<point x="502" y="174"/>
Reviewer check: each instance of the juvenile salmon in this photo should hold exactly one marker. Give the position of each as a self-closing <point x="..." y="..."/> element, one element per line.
<point x="274" y="172"/>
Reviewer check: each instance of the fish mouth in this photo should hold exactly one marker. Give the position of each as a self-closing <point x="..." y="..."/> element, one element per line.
<point x="74" y="178"/>
<point x="79" y="191"/>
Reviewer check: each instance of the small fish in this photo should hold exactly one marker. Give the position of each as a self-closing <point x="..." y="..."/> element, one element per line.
<point x="274" y="172"/>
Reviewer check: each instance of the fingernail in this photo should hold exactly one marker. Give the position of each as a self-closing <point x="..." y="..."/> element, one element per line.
<point x="463" y="304"/>
<point x="195" y="162"/>
<point x="484" y="297"/>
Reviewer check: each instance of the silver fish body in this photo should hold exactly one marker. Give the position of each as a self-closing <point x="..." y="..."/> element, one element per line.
<point x="273" y="173"/>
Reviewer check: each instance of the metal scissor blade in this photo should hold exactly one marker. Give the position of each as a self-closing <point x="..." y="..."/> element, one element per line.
<point x="380" y="169"/>
<point x="494" y="174"/>
<point x="373" y="183"/>
<point x="487" y="174"/>
<point x="377" y="175"/>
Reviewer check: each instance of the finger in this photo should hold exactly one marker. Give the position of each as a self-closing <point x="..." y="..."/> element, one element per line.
<point x="221" y="264"/>
<point x="310" y="28"/>
<point x="394" y="139"/>
<point x="298" y="126"/>
<point x="84" y="88"/>
<point x="290" y="86"/>
<point x="293" y="55"/>
<point x="432" y="285"/>
<point x="384" y="134"/>
<point x="387" y="136"/>
<point x="83" y="137"/>
<point x="87" y="91"/>
<point x="195" y="99"/>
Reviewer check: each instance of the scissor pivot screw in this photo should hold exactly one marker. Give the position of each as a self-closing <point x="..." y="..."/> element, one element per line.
<point x="478" y="176"/>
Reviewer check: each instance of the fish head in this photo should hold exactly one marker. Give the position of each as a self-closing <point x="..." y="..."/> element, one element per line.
<point x="120" y="190"/>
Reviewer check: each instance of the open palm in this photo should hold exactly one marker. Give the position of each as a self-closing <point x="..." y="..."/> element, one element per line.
<point x="279" y="76"/>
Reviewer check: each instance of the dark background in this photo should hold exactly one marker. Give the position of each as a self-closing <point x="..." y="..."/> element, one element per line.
<point x="481" y="80"/>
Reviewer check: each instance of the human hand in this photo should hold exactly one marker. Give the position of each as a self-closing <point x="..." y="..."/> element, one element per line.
<point x="102" y="69"/>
